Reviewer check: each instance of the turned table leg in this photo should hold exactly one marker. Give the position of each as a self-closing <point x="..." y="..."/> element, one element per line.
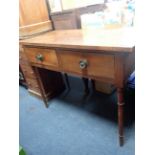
<point x="120" y="95"/>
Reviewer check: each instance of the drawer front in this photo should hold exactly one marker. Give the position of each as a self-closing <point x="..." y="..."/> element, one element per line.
<point x="28" y="72"/>
<point x="22" y="55"/>
<point x="42" y="56"/>
<point x="23" y="62"/>
<point x="97" y="65"/>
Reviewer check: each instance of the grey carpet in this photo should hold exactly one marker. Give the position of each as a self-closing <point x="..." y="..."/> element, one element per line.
<point x="72" y="125"/>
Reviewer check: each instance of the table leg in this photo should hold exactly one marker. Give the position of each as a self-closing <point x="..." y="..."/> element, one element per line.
<point x="67" y="80"/>
<point x="86" y="88"/>
<point x="40" y="86"/>
<point x="120" y="95"/>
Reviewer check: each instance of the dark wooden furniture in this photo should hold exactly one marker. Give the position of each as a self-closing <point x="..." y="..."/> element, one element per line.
<point x="105" y="55"/>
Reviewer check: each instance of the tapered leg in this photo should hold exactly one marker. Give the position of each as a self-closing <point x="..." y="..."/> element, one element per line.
<point x="67" y="80"/>
<point x="120" y="95"/>
<point x="40" y="86"/>
<point x="86" y="88"/>
<point x="93" y="85"/>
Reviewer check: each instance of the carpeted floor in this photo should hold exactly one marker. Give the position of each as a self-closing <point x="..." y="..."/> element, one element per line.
<point x="73" y="124"/>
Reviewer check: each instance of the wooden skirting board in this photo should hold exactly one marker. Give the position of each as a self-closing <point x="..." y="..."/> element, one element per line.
<point x="34" y="29"/>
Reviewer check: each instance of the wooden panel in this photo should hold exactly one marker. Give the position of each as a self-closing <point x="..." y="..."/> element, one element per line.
<point x="32" y="12"/>
<point x="49" y="56"/>
<point x="64" y="21"/>
<point x="28" y="72"/>
<point x="98" y="65"/>
<point x="32" y="84"/>
<point x="33" y="17"/>
<point x="35" y="29"/>
<point x="22" y="56"/>
<point x="26" y="67"/>
<point x="23" y="62"/>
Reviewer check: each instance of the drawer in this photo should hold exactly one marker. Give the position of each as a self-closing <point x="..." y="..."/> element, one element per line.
<point x="28" y="72"/>
<point x="94" y="65"/>
<point x="33" y="84"/>
<point x="22" y="55"/>
<point x="42" y="56"/>
<point x="26" y="67"/>
<point x="23" y="61"/>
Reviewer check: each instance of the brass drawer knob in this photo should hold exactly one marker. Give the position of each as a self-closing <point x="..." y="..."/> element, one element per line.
<point x="83" y="64"/>
<point x="40" y="57"/>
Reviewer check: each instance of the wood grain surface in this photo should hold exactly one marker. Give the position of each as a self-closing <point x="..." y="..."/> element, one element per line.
<point x="116" y="40"/>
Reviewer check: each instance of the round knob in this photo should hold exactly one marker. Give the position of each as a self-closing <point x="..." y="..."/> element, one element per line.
<point x="83" y="64"/>
<point x="39" y="57"/>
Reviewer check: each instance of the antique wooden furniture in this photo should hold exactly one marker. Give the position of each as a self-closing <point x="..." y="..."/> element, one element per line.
<point x="104" y="55"/>
<point x="65" y="21"/>
<point x="33" y="22"/>
<point x="70" y="19"/>
<point x="48" y="79"/>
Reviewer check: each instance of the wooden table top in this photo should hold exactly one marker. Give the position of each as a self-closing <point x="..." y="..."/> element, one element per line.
<point x="116" y="40"/>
